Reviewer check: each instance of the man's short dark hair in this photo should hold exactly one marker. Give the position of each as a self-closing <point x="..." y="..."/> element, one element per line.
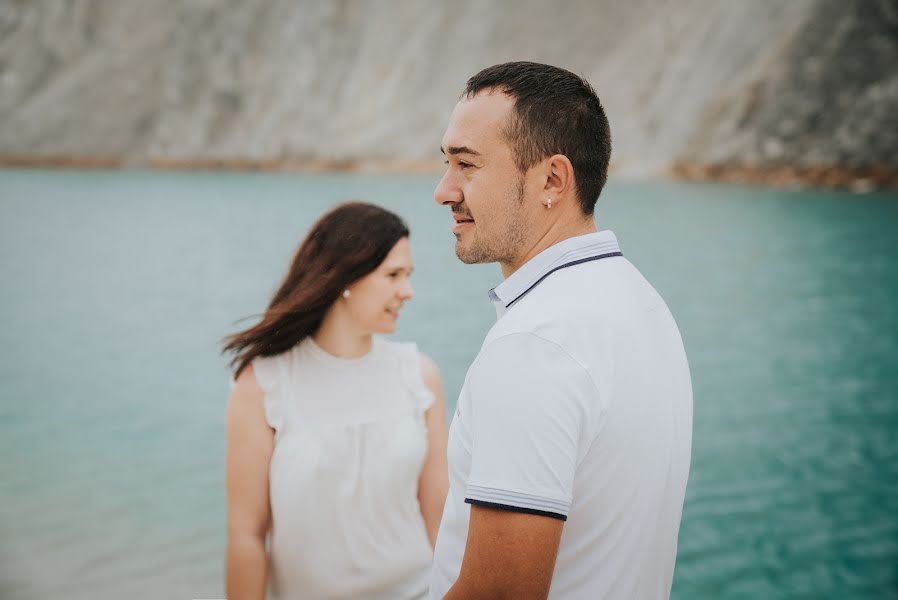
<point x="555" y="112"/>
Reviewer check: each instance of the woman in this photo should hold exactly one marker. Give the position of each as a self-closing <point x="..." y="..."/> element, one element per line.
<point x="336" y="439"/>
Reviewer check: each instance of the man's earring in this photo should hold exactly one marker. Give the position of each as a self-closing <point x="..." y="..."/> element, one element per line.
<point x="346" y="293"/>
<point x="548" y="202"/>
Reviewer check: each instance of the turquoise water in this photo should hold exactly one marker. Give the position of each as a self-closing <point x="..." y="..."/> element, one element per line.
<point x="117" y="287"/>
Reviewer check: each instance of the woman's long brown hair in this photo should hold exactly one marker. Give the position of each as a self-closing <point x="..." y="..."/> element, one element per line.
<point x="344" y="245"/>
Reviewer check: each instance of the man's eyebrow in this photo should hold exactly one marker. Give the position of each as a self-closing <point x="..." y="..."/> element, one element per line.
<point x="459" y="150"/>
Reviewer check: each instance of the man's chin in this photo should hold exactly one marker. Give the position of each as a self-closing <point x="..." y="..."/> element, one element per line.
<point x="470" y="256"/>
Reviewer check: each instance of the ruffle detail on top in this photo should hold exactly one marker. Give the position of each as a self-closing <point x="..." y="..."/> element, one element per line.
<point x="411" y="375"/>
<point x="267" y="369"/>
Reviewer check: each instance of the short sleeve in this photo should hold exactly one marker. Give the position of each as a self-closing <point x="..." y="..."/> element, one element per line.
<point x="529" y="403"/>
<point x="411" y="375"/>
<point x="268" y="376"/>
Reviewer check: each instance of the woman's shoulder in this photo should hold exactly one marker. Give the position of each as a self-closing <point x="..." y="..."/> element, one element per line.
<point x="266" y="370"/>
<point x="404" y="350"/>
<point x="245" y="380"/>
<point x="258" y="391"/>
<point x="246" y="393"/>
<point x="430" y="372"/>
<point x="416" y="361"/>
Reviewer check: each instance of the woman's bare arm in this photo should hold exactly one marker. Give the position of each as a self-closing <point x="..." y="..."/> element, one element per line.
<point x="433" y="484"/>
<point x="250" y="442"/>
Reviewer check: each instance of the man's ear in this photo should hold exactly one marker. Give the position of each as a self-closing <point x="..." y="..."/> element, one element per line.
<point x="559" y="179"/>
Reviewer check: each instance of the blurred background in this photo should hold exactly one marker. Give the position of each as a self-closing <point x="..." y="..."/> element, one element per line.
<point x="163" y="159"/>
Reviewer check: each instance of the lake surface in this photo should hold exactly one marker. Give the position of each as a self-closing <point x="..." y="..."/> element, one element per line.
<point x="117" y="288"/>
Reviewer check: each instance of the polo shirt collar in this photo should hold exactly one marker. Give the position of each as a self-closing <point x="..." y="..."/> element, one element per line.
<point x="575" y="250"/>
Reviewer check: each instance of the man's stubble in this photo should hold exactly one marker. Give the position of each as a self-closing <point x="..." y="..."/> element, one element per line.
<point x="505" y="245"/>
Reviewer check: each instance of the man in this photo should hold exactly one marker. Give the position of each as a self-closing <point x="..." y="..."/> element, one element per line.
<point x="570" y="448"/>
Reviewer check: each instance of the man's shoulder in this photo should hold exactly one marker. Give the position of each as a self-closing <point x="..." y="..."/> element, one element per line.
<point x="521" y="324"/>
<point x="583" y="310"/>
<point x="544" y="312"/>
<point x="537" y="347"/>
<point x="595" y="294"/>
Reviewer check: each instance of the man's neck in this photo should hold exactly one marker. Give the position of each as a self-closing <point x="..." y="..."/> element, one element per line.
<point x="555" y="234"/>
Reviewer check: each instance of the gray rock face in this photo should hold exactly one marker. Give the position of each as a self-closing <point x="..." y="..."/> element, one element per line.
<point x="829" y="98"/>
<point x="766" y="82"/>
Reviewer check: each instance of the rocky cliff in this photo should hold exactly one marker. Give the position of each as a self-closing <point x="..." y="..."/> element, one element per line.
<point x="719" y="88"/>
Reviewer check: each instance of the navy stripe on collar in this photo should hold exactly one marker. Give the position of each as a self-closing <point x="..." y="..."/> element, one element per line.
<point x="559" y="267"/>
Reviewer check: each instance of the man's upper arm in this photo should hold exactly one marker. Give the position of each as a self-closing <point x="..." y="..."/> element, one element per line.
<point x="529" y="401"/>
<point x="508" y="555"/>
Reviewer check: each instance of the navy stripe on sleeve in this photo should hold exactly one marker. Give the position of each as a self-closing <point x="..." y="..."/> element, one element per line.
<point x="520" y="509"/>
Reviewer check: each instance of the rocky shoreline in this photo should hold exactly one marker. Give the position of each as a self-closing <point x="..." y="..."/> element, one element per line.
<point x="315" y="165"/>
<point x="854" y="179"/>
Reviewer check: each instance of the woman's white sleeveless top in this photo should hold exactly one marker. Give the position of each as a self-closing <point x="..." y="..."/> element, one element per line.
<point x="350" y="441"/>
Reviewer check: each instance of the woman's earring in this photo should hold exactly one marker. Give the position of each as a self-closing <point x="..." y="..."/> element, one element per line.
<point x="549" y="203"/>
<point x="346" y="293"/>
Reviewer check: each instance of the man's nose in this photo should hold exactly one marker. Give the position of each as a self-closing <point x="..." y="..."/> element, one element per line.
<point x="447" y="192"/>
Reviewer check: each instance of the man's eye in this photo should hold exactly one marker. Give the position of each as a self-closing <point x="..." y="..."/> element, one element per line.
<point x="461" y="164"/>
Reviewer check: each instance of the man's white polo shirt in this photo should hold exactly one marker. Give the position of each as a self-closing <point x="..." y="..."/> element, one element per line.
<point x="578" y="407"/>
